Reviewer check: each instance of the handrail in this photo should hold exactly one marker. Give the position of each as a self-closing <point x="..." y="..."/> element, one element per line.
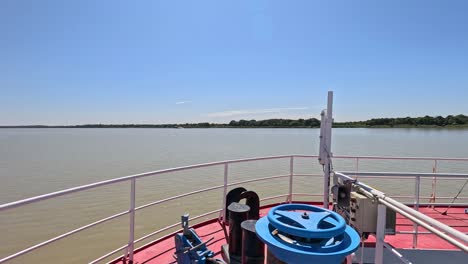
<point x="64" y="235"/>
<point x="400" y="158"/>
<point x="417" y="217"/>
<point x="177" y="197"/>
<point x="408" y="174"/>
<point x="152" y="234"/>
<point x="201" y="165"/>
<point x="133" y="177"/>
<point x="126" y="178"/>
<point x="157" y="172"/>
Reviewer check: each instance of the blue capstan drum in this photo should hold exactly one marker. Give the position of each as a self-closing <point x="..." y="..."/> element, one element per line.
<point x="301" y="233"/>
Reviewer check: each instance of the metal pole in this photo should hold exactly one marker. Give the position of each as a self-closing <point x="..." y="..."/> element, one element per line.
<point x="326" y="186"/>
<point x="434" y="183"/>
<point x="131" y="238"/>
<point x="357" y="167"/>
<point x="291" y="173"/>
<point x="389" y="202"/>
<point x="223" y="212"/>
<point x="428" y="226"/>
<point x="325" y="147"/>
<point x="380" y="236"/>
<point x="323" y="158"/>
<point x="417" y="185"/>
<point x="445" y="228"/>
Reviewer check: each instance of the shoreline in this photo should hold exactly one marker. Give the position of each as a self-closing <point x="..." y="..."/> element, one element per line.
<point x="231" y="127"/>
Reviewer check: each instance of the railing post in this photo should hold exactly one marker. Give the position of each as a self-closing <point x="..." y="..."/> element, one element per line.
<point x="357" y="168"/>
<point x="291" y="173"/>
<point x="417" y="185"/>
<point x="223" y="212"/>
<point x="131" y="238"/>
<point x="434" y="183"/>
<point x="380" y="236"/>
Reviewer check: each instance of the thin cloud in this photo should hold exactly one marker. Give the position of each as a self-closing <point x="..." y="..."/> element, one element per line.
<point x="183" y="102"/>
<point x="255" y="111"/>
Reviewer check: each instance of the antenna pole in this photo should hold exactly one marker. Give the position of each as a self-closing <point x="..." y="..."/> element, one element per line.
<point x="325" y="153"/>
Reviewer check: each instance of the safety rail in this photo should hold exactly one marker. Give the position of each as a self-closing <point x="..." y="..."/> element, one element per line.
<point x="129" y="247"/>
<point x="449" y="234"/>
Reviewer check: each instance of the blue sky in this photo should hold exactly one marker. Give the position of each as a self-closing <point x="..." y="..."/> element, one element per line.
<point x="76" y="62"/>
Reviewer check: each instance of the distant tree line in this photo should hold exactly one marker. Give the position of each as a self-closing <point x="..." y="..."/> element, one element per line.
<point x="311" y="122"/>
<point x="425" y="121"/>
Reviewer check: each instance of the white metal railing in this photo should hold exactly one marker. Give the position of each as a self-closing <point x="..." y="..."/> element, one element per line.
<point x="129" y="247"/>
<point x="449" y="234"/>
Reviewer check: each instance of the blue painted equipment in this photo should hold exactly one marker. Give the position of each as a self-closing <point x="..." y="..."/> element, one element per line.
<point x="189" y="247"/>
<point x="301" y="233"/>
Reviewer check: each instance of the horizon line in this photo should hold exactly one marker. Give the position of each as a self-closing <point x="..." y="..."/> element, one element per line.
<point x="225" y="123"/>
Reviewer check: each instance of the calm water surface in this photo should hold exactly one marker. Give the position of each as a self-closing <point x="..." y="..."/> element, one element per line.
<point x="37" y="161"/>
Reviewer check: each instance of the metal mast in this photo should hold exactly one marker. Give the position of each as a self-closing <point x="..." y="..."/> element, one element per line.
<point x="325" y="153"/>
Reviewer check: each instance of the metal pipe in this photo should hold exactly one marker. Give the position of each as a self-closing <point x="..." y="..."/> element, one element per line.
<point x="357" y="167"/>
<point x="380" y="236"/>
<point x="443" y="204"/>
<point x="428" y="197"/>
<point x="274" y="197"/>
<point x="417" y="183"/>
<point x="153" y="173"/>
<point x="442" y="235"/>
<point x="308" y="175"/>
<point x="174" y="225"/>
<point x="205" y="190"/>
<point x="395" y="158"/>
<point x="127" y="178"/>
<point x="131" y="237"/>
<point x="130" y="250"/>
<point x="406" y="174"/>
<point x="291" y="173"/>
<point x="225" y="185"/>
<point x="403" y="208"/>
<point x="39" y="245"/>
<point x="434" y="183"/>
<point x="326" y="186"/>
<point x="421" y="222"/>
<point x="447" y="229"/>
<point x="177" y="196"/>
<point x="308" y="194"/>
<point x="420" y="232"/>
<point x="152" y="234"/>
<point x="258" y="179"/>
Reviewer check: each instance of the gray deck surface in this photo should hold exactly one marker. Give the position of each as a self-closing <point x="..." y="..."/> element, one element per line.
<point x="417" y="256"/>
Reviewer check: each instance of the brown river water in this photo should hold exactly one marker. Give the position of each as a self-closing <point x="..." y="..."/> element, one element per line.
<point x="38" y="161"/>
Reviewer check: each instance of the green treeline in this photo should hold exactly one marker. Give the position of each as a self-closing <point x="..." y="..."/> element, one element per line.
<point x="426" y="121"/>
<point x="311" y="122"/>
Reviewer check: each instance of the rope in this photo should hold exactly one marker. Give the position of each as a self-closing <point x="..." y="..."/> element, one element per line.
<point x="454" y="198"/>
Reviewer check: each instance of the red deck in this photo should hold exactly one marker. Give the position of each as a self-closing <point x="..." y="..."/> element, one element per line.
<point x="162" y="250"/>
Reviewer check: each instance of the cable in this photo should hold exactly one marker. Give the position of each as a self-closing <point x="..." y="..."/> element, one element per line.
<point x="454" y="198"/>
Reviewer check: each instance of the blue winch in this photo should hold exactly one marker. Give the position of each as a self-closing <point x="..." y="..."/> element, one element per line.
<point x="190" y="249"/>
<point x="301" y="233"/>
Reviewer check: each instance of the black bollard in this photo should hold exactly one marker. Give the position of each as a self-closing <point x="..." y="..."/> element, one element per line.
<point x="253" y="201"/>
<point x="233" y="196"/>
<point x="237" y="214"/>
<point x="252" y="247"/>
